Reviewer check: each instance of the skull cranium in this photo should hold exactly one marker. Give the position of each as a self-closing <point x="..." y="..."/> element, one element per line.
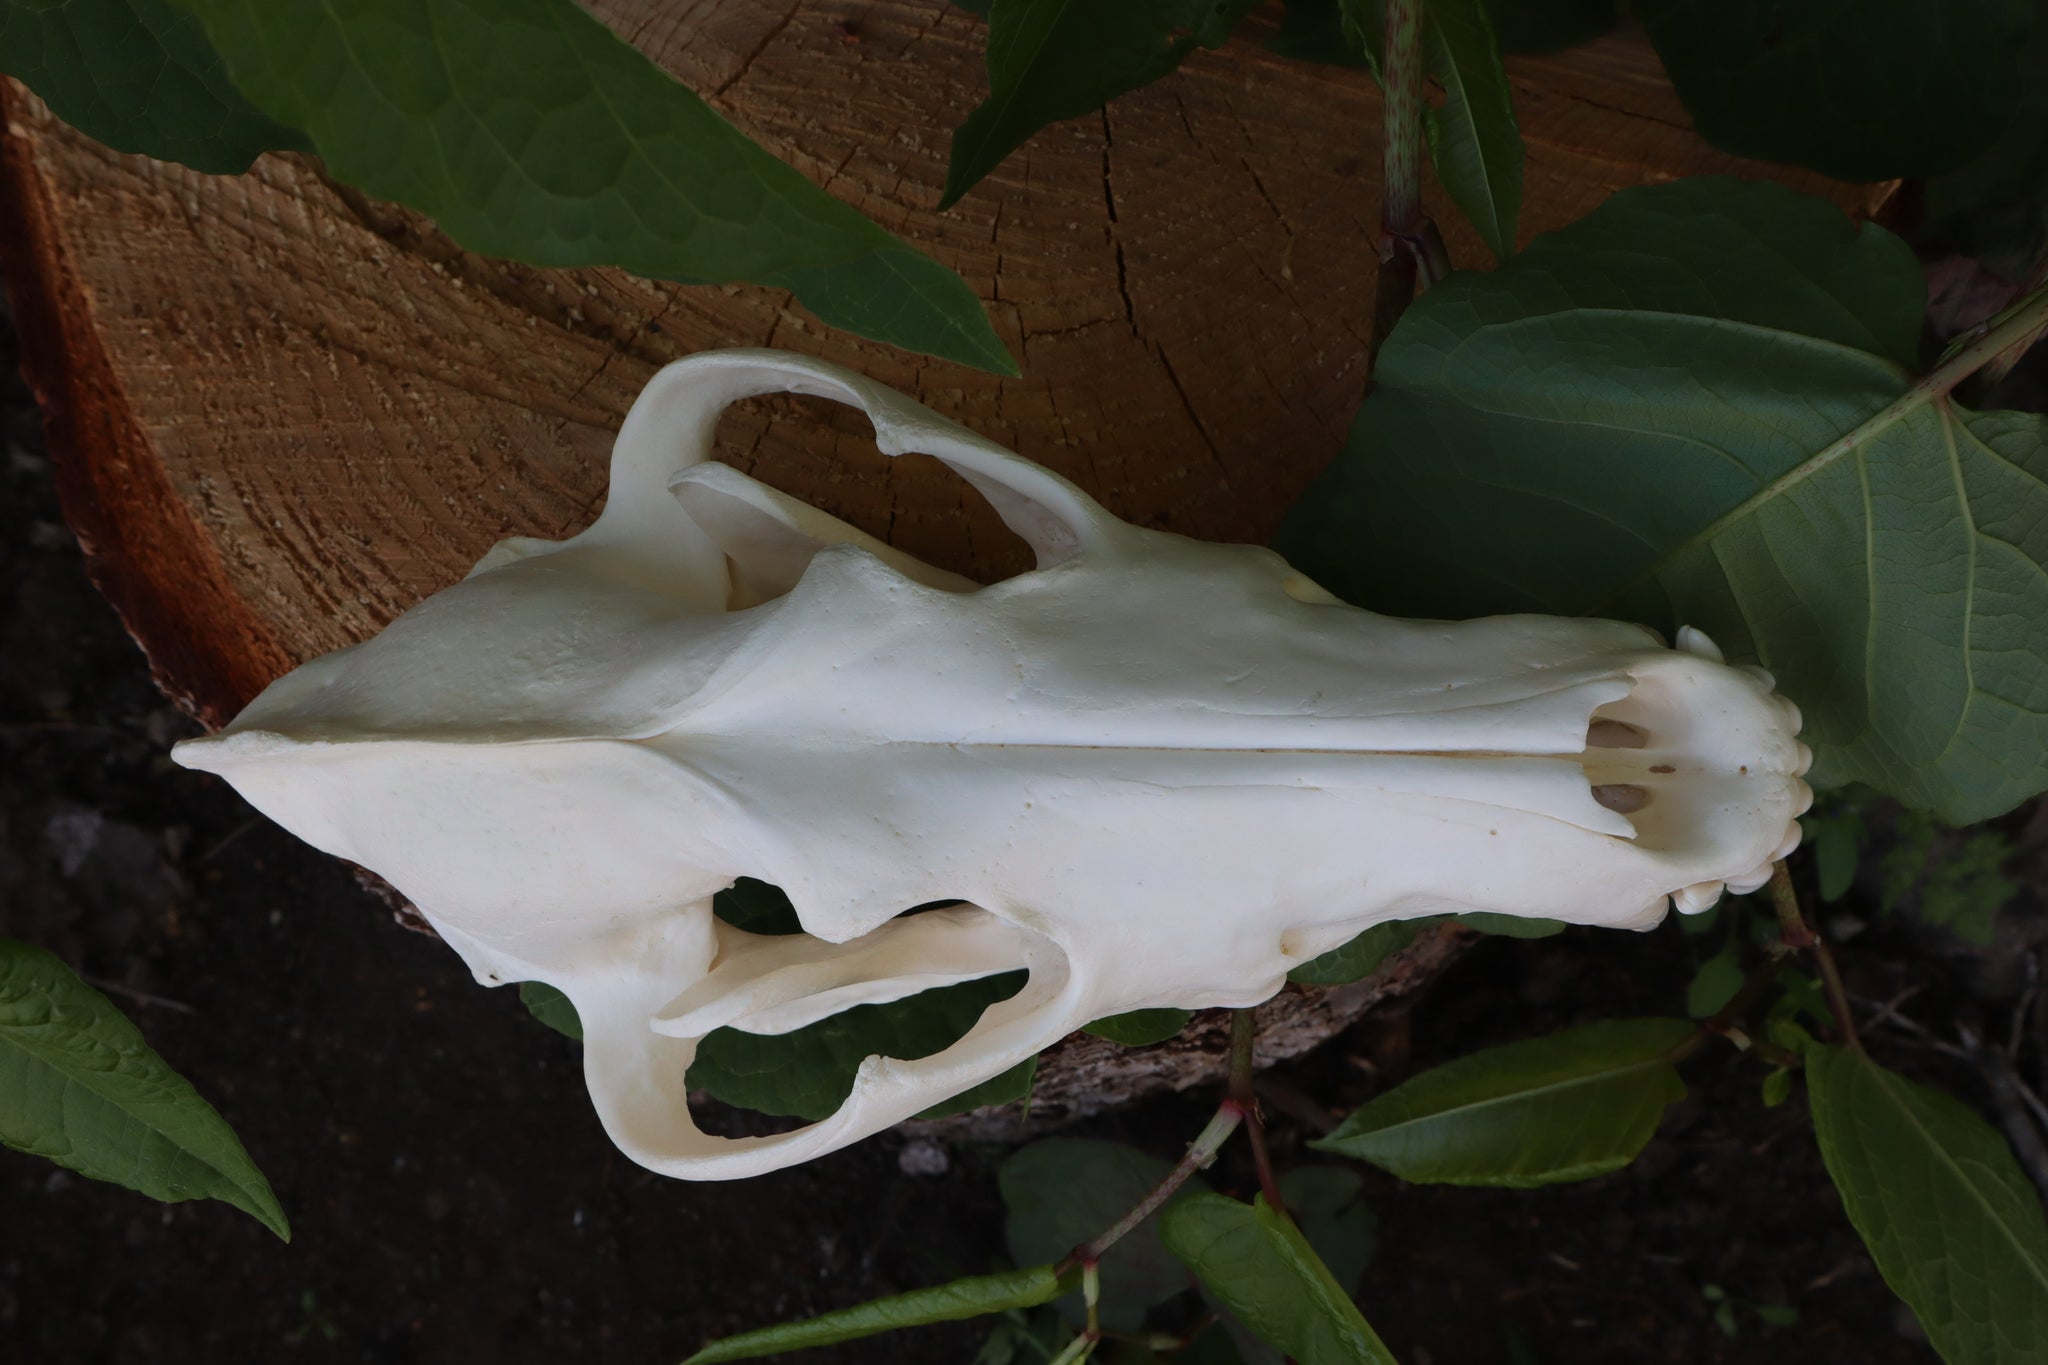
<point x="1152" y="771"/>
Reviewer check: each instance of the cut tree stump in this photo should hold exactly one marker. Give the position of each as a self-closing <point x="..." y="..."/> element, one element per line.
<point x="282" y="413"/>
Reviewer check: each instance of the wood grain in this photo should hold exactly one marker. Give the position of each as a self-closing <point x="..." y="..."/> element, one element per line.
<point x="282" y="413"/>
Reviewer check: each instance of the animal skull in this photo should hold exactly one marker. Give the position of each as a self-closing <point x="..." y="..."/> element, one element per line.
<point x="1153" y="771"/>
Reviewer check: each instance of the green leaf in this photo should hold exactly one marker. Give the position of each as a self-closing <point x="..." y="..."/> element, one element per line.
<point x="968" y="1298"/>
<point x="140" y="76"/>
<point x="79" y="1085"/>
<point x="1141" y="1028"/>
<point x="1358" y="959"/>
<point x="1474" y="140"/>
<point x="552" y="1008"/>
<point x="756" y="907"/>
<point x="1953" y="1224"/>
<point x="1777" y="1087"/>
<point x="1835" y="840"/>
<point x="1258" y="1265"/>
<point x="1642" y="415"/>
<point x="1857" y="89"/>
<point x="1511" y="926"/>
<point x="1995" y="208"/>
<point x="1715" y="983"/>
<point x="1001" y="1088"/>
<point x="1050" y="60"/>
<point x="526" y="129"/>
<point x="1328" y="1205"/>
<point x="1567" y="1107"/>
<point x="808" y="1072"/>
<point x="1952" y="879"/>
<point x="1318" y="31"/>
<point x="1550" y="25"/>
<point x="1062" y="1191"/>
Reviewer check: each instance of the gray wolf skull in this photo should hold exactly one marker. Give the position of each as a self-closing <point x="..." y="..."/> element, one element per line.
<point x="1151" y="771"/>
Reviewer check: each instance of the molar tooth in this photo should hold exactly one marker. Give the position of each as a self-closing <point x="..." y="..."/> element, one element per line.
<point x="1751" y="880"/>
<point x="1693" y="640"/>
<point x="1690" y="900"/>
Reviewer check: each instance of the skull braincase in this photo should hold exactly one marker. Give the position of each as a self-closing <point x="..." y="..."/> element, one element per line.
<point x="1152" y="771"/>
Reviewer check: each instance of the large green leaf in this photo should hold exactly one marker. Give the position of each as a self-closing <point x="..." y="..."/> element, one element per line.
<point x="1259" y="1265"/>
<point x="549" y="1006"/>
<point x="1050" y="60"/>
<point x="140" y="76"/>
<point x="1474" y="140"/>
<point x="969" y="1298"/>
<point x="1550" y="25"/>
<point x="526" y="129"/>
<point x="1860" y="89"/>
<point x="1953" y="1224"/>
<point x="1357" y="959"/>
<point x="1140" y="1028"/>
<point x="1995" y="207"/>
<point x="808" y="1073"/>
<point x="1567" y="1107"/>
<point x="1642" y="415"/>
<point x="1327" y="1204"/>
<point x="79" y="1085"/>
<point x="1062" y="1191"/>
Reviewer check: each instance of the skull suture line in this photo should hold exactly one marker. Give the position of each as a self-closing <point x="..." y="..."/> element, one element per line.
<point x="1153" y="771"/>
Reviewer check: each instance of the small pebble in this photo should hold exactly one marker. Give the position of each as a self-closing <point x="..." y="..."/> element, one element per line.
<point x="922" y="1156"/>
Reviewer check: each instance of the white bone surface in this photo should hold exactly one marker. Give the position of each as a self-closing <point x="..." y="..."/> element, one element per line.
<point x="1154" y="771"/>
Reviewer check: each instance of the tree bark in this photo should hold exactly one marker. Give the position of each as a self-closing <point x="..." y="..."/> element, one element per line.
<point x="282" y="413"/>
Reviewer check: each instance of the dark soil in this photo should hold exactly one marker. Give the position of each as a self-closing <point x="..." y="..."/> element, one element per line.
<point x="453" y="1199"/>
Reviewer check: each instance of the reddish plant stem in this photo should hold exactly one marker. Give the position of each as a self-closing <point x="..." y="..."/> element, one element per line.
<point x="1799" y="934"/>
<point x="1410" y="247"/>
<point x="1401" y="78"/>
<point x="1243" y="1041"/>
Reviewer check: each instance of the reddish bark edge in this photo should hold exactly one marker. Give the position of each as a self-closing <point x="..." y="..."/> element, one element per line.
<point x="143" y="550"/>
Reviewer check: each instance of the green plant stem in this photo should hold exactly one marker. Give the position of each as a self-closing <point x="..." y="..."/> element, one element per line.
<point x="1401" y="214"/>
<point x="1799" y="934"/>
<point x="1410" y="246"/>
<point x="1999" y="366"/>
<point x="1076" y="1350"/>
<point x="1244" y="1032"/>
<point x="1200" y="1153"/>
<point x="1793" y="931"/>
<point x="2015" y="327"/>
<point x="1723" y="1020"/>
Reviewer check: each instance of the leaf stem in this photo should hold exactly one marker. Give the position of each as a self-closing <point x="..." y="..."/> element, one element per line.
<point x="1401" y="79"/>
<point x="1077" y="1350"/>
<point x="1999" y="366"/>
<point x="1722" y="1022"/>
<point x="1199" y="1154"/>
<point x="2018" y="324"/>
<point x="1244" y="1033"/>
<point x="2015" y="327"/>
<point x="1410" y="246"/>
<point x="1799" y="934"/>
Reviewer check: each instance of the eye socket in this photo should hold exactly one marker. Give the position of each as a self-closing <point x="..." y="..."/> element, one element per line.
<point x="826" y="452"/>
